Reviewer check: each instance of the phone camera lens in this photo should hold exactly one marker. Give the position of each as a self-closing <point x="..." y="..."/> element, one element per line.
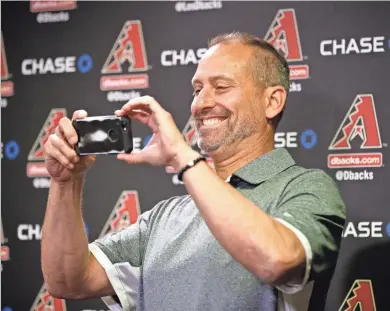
<point x="124" y="125"/>
<point x="113" y="136"/>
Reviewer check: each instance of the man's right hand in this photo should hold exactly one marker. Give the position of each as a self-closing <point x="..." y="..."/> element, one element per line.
<point x="62" y="162"/>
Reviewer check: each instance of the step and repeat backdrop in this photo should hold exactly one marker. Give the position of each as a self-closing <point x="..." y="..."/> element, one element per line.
<point x="57" y="57"/>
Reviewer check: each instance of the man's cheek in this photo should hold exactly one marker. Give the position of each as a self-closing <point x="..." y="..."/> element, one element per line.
<point x="193" y="108"/>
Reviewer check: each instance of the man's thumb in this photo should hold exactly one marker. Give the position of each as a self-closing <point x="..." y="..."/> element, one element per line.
<point x="131" y="158"/>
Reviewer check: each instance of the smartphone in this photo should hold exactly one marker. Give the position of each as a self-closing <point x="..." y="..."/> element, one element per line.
<point x="103" y="135"/>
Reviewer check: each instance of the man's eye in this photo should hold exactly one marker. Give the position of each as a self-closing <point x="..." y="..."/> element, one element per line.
<point x="196" y="92"/>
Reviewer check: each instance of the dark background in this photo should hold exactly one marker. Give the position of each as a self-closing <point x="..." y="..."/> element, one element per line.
<point x="92" y="29"/>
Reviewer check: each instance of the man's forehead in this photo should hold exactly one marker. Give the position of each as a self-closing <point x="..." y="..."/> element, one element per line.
<point x="223" y="60"/>
<point x="234" y="53"/>
<point x="231" y="49"/>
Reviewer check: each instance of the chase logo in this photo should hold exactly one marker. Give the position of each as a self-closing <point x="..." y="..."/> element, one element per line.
<point x="57" y="65"/>
<point x="10" y="150"/>
<point x="84" y="63"/>
<point x="306" y="139"/>
<point x="347" y="46"/>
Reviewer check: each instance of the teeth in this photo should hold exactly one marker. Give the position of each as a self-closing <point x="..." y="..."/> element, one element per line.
<point x="211" y="121"/>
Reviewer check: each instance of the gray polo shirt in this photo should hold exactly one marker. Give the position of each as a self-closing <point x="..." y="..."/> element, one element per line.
<point x="170" y="261"/>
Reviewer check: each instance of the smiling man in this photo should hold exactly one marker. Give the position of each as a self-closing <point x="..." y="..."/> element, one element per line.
<point x="256" y="232"/>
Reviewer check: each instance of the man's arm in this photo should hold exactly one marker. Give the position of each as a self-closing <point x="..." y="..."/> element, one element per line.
<point x="259" y="242"/>
<point x="69" y="270"/>
<point x="262" y="244"/>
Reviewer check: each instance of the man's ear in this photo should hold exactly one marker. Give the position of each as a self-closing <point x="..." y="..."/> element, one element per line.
<point x="275" y="100"/>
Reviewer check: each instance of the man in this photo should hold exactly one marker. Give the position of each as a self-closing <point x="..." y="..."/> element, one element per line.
<point x="257" y="232"/>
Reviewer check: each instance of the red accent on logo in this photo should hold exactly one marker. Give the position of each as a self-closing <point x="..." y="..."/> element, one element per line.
<point x="125" y="213"/>
<point x="48" y="6"/>
<point x="4" y="248"/>
<point x="4" y="67"/>
<point x="189" y="133"/>
<point x="129" y="48"/>
<point x="7" y="89"/>
<point x="4" y="253"/>
<point x="360" y="120"/>
<point x="44" y="301"/>
<point x="55" y="115"/>
<point x="360" y="294"/>
<point x="283" y="35"/>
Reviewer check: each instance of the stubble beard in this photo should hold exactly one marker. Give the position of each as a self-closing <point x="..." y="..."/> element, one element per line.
<point x="223" y="137"/>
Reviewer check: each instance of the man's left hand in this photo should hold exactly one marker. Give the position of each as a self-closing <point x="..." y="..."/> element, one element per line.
<point x="167" y="146"/>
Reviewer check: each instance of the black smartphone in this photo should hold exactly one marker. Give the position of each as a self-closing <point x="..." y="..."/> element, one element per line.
<point x="103" y="135"/>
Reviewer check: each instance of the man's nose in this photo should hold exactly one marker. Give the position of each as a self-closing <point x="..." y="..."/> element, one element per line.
<point x="204" y="100"/>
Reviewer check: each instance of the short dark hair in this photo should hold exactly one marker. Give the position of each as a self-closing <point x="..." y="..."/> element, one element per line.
<point x="269" y="66"/>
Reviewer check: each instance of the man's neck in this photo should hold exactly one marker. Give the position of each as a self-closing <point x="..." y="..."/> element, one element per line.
<point x="229" y="161"/>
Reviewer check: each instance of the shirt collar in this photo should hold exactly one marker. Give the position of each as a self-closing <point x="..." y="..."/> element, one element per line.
<point x="264" y="167"/>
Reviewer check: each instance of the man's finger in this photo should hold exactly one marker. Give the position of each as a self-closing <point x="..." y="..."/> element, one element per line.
<point x="69" y="133"/>
<point x="131" y="158"/>
<point x="170" y="169"/>
<point x="145" y="103"/>
<point x="59" y="132"/>
<point x="130" y="107"/>
<point x="53" y="152"/>
<point x="63" y="147"/>
<point x="138" y="115"/>
<point x="79" y="114"/>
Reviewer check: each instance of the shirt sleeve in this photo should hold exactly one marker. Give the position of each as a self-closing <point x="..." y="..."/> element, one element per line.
<point x="312" y="207"/>
<point x="121" y="255"/>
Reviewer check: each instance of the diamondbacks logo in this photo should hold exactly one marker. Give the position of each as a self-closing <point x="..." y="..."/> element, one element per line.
<point x="7" y="87"/>
<point x="4" y="248"/>
<point x="44" y="301"/>
<point x="360" y="122"/>
<point x="128" y="55"/>
<point x="125" y="213"/>
<point x="284" y="36"/>
<point x="360" y="297"/>
<point x="36" y="166"/>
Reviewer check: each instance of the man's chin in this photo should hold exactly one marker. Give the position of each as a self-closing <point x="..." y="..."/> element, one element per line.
<point x="208" y="147"/>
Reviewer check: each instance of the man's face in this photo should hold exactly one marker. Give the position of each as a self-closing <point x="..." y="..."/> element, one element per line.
<point x="225" y="107"/>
